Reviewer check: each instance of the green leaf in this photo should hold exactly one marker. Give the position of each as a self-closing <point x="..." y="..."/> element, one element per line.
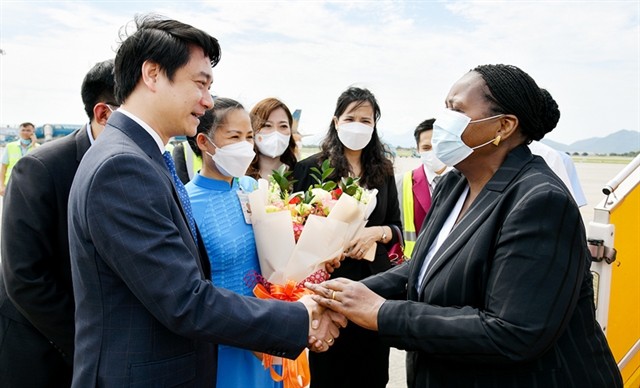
<point x="328" y="186"/>
<point x="316" y="175"/>
<point x="282" y="178"/>
<point x="308" y="196"/>
<point x="327" y="172"/>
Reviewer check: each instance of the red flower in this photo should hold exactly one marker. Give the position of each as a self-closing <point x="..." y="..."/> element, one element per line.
<point x="295" y="200"/>
<point x="336" y="193"/>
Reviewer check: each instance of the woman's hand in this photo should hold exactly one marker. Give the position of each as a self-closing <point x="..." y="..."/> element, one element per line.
<point x="349" y="298"/>
<point x="334" y="262"/>
<point x="363" y="242"/>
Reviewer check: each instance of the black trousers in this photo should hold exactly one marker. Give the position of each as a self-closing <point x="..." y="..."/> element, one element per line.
<point x="357" y="359"/>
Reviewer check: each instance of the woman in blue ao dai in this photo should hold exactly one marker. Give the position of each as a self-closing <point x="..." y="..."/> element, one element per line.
<point x="218" y="196"/>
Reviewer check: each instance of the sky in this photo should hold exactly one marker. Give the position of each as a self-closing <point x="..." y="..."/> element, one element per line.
<point x="306" y="53"/>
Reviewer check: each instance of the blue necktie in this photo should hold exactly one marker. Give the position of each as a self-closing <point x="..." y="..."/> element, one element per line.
<point x="182" y="193"/>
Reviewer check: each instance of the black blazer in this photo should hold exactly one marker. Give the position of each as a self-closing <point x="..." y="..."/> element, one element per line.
<point x="386" y="212"/>
<point x="508" y="297"/>
<point x="35" y="286"/>
<point x="146" y="313"/>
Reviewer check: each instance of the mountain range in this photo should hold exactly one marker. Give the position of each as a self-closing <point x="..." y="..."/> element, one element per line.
<point x="619" y="142"/>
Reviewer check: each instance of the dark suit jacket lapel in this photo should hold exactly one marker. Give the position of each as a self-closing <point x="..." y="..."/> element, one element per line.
<point x="481" y="208"/>
<point x="140" y="137"/>
<point x="82" y="143"/>
<point x="148" y="145"/>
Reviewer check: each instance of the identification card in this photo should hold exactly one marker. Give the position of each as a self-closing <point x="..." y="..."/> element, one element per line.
<point x="244" y="203"/>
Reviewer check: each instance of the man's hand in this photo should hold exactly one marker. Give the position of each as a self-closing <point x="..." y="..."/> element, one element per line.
<point x="351" y="299"/>
<point x="324" y="325"/>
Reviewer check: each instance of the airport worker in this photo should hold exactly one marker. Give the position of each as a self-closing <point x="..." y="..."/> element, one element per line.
<point x="415" y="187"/>
<point x="15" y="150"/>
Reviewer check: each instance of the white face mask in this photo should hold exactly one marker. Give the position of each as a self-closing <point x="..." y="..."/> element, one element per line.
<point x="355" y="135"/>
<point x="234" y="159"/>
<point x="430" y="161"/>
<point x="447" y="136"/>
<point x="272" y="144"/>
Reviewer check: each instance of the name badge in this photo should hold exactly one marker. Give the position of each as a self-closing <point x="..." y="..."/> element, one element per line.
<point x="244" y="203"/>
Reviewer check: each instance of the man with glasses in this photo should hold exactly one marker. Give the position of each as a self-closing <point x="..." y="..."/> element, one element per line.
<point x="36" y="294"/>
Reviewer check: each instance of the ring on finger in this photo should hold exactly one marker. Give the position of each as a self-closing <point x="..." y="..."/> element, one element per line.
<point x="333" y="295"/>
<point x="329" y="341"/>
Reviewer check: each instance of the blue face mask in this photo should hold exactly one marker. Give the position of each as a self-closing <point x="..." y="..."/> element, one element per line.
<point x="447" y="136"/>
<point x="25" y="142"/>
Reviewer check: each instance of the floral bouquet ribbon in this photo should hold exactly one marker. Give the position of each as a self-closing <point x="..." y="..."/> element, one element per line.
<point x="295" y="373"/>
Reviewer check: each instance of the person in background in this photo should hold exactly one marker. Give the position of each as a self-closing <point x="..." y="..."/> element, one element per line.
<point x="297" y="139"/>
<point x="500" y="292"/>
<point x="36" y="294"/>
<point x="416" y="187"/>
<point x="147" y="313"/>
<point x="275" y="146"/>
<point x="562" y="165"/>
<point x="187" y="162"/>
<point x="218" y="195"/>
<point x="15" y="150"/>
<point x="574" y="180"/>
<point x="352" y="146"/>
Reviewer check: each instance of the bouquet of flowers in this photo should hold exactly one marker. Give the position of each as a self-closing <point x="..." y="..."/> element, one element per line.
<point x="296" y="233"/>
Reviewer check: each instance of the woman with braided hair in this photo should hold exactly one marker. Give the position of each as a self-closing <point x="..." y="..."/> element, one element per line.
<point x="499" y="289"/>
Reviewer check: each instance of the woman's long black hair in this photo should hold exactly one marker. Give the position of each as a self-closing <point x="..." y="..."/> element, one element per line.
<point x="376" y="167"/>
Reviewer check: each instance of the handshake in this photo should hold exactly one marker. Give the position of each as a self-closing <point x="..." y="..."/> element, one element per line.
<point x="332" y="304"/>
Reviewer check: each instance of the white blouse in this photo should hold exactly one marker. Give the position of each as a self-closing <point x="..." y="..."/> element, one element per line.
<point x="444" y="233"/>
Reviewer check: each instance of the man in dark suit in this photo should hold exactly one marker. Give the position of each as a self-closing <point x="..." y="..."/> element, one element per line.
<point x="36" y="295"/>
<point x="147" y="313"/>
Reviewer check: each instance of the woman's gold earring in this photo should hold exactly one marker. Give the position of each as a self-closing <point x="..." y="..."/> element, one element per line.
<point x="497" y="140"/>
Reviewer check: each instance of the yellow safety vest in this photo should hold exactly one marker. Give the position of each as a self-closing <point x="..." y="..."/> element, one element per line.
<point x="191" y="159"/>
<point x="408" y="224"/>
<point x="169" y="147"/>
<point x="14" y="152"/>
